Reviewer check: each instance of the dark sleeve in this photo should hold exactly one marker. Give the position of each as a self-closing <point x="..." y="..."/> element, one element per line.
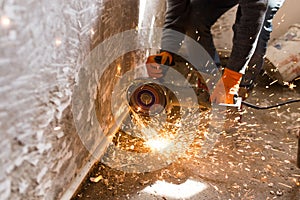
<point x="249" y="20"/>
<point x="176" y="13"/>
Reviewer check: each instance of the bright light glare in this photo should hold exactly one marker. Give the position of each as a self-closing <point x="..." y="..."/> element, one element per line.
<point x="58" y="41"/>
<point x="5" y="21"/>
<point x="182" y="191"/>
<point x="141" y="12"/>
<point x="157" y="144"/>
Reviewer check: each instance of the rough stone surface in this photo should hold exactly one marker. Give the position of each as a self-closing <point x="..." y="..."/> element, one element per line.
<point x="43" y="45"/>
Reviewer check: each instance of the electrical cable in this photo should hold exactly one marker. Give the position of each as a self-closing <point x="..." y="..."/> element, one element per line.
<point x="269" y="107"/>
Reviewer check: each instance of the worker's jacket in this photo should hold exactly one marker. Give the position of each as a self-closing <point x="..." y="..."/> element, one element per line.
<point x="249" y="20"/>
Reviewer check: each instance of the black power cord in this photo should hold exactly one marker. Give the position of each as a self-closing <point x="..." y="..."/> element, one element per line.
<point x="273" y="106"/>
<point x="269" y="107"/>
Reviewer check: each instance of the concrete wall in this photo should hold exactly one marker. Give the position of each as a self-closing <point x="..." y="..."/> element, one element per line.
<point x="43" y="45"/>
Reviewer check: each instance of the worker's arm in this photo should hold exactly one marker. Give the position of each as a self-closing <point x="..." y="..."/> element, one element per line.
<point x="177" y="11"/>
<point x="249" y="20"/>
<point x="173" y="35"/>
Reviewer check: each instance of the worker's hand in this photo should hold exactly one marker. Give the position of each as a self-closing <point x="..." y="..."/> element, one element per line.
<point x="153" y="68"/>
<point x="154" y="62"/>
<point x="227" y="87"/>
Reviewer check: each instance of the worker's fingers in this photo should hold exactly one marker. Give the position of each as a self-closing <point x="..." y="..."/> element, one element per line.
<point x="165" y="58"/>
<point x="217" y="98"/>
<point x="155" y="75"/>
<point x="154" y="67"/>
<point x="213" y="97"/>
<point x="218" y="95"/>
<point x="154" y="70"/>
<point x="151" y="59"/>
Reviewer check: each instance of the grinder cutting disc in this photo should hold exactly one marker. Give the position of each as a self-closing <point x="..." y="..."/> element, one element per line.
<point x="147" y="99"/>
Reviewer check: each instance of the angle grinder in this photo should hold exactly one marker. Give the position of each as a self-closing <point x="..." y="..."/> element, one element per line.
<point x="147" y="99"/>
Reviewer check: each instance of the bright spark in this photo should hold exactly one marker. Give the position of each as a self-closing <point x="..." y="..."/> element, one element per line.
<point x="157" y="144"/>
<point x="292" y="86"/>
<point x="58" y="42"/>
<point x="57" y="128"/>
<point x="5" y="21"/>
<point x="92" y="32"/>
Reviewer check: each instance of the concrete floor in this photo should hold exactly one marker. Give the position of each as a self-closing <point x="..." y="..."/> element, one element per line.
<point x="257" y="161"/>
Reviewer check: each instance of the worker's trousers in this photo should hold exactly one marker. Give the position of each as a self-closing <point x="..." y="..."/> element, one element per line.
<point x="204" y="15"/>
<point x="256" y="62"/>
